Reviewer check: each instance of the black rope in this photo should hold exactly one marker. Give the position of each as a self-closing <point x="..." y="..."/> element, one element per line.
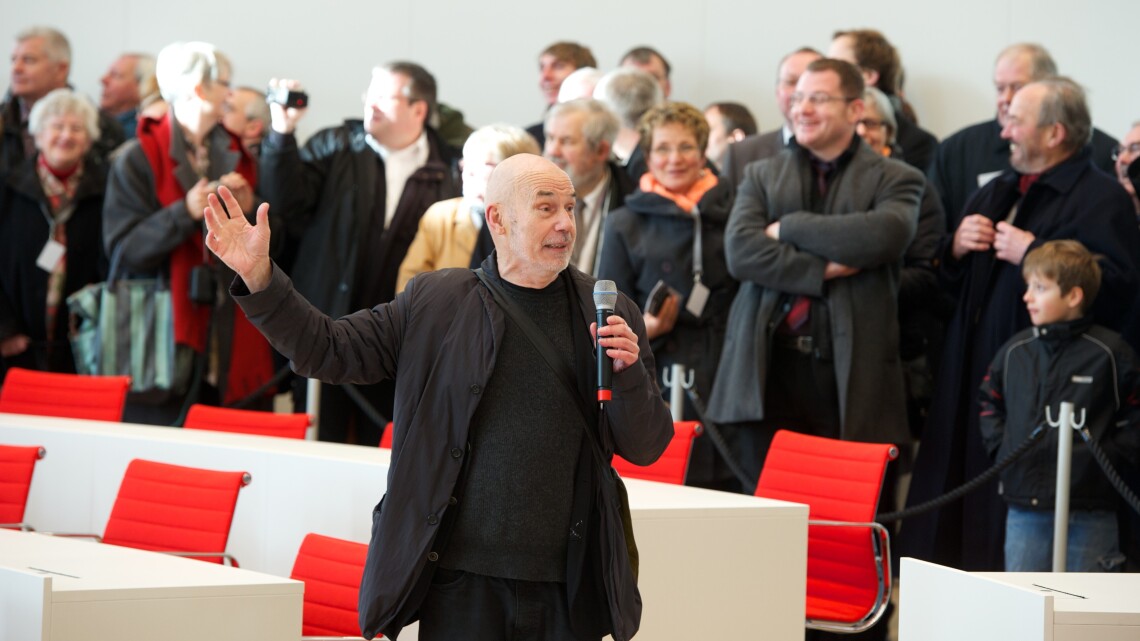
<point x="746" y="482"/>
<point x="256" y="394"/>
<point x="369" y="411"/>
<point x="967" y="487"/>
<point x="1106" y="466"/>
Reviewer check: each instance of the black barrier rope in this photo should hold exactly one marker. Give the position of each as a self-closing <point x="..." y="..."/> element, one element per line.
<point x="967" y="487"/>
<point x="746" y="482"/>
<point x="256" y="394"/>
<point x="369" y="411"/>
<point x="1106" y="466"/>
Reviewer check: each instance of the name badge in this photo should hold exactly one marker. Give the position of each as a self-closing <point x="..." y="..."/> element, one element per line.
<point x="697" y="299"/>
<point x="50" y="255"/>
<point x="1087" y="380"/>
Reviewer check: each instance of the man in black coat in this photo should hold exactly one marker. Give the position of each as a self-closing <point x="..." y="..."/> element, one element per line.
<point x="480" y="533"/>
<point x="977" y="154"/>
<point x="351" y="201"/>
<point x="1053" y="191"/>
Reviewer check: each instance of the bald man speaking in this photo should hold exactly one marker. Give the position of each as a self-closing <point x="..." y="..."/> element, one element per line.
<point x="489" y="527"/>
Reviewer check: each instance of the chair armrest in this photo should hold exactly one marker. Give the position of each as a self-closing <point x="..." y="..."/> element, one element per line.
<point x="881" y="544"/>
<point x="73" y="535"/>
<point x="23" y="527"/>
<point x="225" y="556"/>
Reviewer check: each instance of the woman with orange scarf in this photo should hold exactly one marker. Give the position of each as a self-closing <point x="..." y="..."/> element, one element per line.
<point x="671" y="230"/>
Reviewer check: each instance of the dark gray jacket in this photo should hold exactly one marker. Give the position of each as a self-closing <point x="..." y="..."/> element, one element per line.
<point x="438" y="339"/>
<point x="869" y="217"/>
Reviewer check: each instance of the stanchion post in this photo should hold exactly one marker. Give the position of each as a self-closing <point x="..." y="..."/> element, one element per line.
<point x="677" y="381"/>
<point x="1064" y="473"/>
<point x="313" y="407"/>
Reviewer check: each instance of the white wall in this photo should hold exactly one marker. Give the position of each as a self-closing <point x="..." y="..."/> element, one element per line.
<point x="484" y="54"/>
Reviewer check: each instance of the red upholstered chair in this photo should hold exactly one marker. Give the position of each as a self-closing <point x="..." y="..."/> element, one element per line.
<point x="99" y="398"/>
<point x="849" y="556"/>
<point x="331" y="570"/>
<point x="223" y="419"/>
<point x="386" y="437"/>
<point x="17" y="462"/>
<point x="186" y="511"/>
<point x="674" y="462"/>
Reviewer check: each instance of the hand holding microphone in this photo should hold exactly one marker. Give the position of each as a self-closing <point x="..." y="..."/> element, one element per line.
<point x="616" y="343"/>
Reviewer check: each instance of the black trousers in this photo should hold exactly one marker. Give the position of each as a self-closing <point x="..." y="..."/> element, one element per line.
<point x="473" y="607"/>
<point x="801" y="396"/>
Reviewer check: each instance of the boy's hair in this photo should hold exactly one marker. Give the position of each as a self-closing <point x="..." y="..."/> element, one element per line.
<point x="1068" y="263"/>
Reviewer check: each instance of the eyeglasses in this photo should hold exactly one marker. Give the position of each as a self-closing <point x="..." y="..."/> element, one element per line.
<point x="1132" y="149"/>
<point x="871" y="123"/>
<point x="684" y="149"/>
<point x="376" y="99"/>
<point x="817" y="99"/>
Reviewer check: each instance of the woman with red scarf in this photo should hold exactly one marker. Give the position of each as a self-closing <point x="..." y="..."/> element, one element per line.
<point x="671" y="230"/>
<point x="51" y="213"/>
<point x="156" y="194"/>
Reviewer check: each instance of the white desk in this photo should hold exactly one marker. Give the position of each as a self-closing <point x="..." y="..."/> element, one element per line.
<point x="937" y="603"/>
<point x="713" y="565"/>
<point x="59" y="589"/>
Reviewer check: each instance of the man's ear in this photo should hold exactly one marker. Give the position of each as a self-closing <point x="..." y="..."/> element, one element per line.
<point x="604" y="149"/>
<point x="870" y="77"/>
<point x="495" y="222"/>
<point x="737" y="135"/>
<point x="1057" y="135"/>
<point x="420" y="109"/>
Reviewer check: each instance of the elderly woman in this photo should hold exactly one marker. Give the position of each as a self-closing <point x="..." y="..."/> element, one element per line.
<point x="878" y="127"/>
<point x="671" y="231"/>
<point x="51" y="217"/>
<point x="156" y="194"/>
<point x="448" y="230"/>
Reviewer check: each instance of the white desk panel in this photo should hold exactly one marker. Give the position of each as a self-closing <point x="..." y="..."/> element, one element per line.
<point x="83" y="590"/>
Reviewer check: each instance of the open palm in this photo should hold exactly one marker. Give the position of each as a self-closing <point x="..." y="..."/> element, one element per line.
<point x="241" y="246"/>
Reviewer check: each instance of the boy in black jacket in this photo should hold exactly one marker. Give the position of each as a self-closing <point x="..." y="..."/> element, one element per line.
<point x="1063" y="357"/>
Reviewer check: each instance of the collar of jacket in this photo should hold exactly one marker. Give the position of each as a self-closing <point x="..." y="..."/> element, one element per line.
<point x="714" y="205"/>
<point x="25" y="181"/>
<point x="1056" y="334"/>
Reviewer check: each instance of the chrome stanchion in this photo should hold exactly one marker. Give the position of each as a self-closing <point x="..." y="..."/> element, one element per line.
<point x="313" y="407"/>
<point x="677" y="380"/>
<point x="1065" y="423"/>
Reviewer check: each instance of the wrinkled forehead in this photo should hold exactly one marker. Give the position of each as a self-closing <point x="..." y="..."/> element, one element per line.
<point x="1026" y="101"/>
<point x="542" y="184"/>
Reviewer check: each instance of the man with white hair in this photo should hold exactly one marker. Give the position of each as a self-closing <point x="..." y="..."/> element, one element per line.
<point x="41" y="62"/>
<point x="121" y="95"/>
<point x="629" y="92"/>
<point x="977" y="154"/>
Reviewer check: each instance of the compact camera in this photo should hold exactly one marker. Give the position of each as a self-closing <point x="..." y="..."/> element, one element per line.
<point x="202" y="288"/>
<point x="290" y="98"/>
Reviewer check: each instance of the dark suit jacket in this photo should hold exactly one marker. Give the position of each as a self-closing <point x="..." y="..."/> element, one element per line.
<point x="754" y="147"/>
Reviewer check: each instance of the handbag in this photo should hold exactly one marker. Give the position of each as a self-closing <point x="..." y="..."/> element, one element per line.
<point x="126" y="327"/>
<point x="617" y="547"/>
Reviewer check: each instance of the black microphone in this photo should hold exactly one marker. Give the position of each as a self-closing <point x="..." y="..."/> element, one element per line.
<point x="605" y="298"/>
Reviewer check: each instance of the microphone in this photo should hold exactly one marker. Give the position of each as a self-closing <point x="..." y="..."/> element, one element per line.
<point x="605" y="298"/>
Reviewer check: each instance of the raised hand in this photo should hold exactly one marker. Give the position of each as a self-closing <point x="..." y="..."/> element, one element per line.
<point x="241" y="246"/>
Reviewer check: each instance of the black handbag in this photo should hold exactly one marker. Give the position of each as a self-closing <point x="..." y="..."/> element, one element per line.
<point x="612" y="534"/>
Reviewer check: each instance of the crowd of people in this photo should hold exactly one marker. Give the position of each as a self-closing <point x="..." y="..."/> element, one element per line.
<point x="844" y="274"/>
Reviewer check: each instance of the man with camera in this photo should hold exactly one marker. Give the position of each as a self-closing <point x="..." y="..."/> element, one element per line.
<point x="350" y="202"/>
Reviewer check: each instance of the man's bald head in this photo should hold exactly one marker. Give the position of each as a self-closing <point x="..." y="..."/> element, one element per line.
<point x="518" y="176"/>
<point x="530" y="214"/>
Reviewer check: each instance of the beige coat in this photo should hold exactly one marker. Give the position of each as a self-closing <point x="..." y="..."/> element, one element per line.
<point x="446" y="238"/>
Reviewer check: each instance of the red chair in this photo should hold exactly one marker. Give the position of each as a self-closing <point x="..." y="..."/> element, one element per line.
<point x="17" y="462"/>
<point x="222" y="419"/>
<point x="386" y="437"/>
<point x="331" y="570"/>
<point x="186" y="511"/>
<point x="849" y="556"/>
<point x="674" y="462"/>
<point x="99" y="398"/>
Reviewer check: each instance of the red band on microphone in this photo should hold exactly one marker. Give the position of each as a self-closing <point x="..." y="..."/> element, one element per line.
<point x="605" y="395"/>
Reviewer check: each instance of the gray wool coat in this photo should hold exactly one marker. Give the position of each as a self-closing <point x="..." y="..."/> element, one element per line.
<point x="868" y="219"/>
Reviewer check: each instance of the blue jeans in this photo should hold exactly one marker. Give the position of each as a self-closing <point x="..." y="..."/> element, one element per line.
<point x="1093" y="541"/>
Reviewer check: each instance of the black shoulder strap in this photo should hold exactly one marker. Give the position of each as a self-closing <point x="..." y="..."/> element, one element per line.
<point x="545" y="349"/>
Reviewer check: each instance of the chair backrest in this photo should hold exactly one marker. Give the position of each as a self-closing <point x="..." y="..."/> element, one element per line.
<point x="223" y="419"/>
<point x="99" y="398"/>
<point x="17" y="462"/>
<point x="674" y="462"/>
<point x="171" y="508"/>
<point x="839" y="481"/>
<point x="386" y="437"/>
<point x="331" y="569"/>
